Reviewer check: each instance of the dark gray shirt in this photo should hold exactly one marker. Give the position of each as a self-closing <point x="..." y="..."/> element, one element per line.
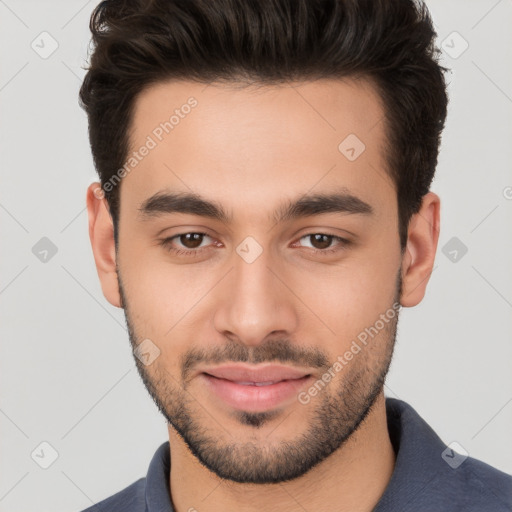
<point x="428" y="476"/>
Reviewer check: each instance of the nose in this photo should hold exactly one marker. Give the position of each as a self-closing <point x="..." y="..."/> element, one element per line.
<point x="256" y="301"/>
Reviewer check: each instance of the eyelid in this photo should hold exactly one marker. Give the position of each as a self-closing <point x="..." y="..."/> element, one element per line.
<point x="341" y="245"/>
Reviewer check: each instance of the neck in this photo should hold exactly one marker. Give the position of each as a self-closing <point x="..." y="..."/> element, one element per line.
<point x="352" y="478"/>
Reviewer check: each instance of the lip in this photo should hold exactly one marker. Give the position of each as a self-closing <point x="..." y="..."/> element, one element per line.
<point x="260" y="373"/>
<point x="255" y="389"/>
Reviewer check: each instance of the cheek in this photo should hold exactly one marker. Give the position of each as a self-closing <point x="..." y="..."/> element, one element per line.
<point x="350" y="298"/>
<point x="165" y="301"/>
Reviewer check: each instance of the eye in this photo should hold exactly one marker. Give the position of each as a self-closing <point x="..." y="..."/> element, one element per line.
<point x="321" y="242"/>
<point x="190" y="243"/>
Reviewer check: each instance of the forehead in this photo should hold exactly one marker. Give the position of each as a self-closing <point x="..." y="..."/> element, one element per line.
<point x="248" y="146"/>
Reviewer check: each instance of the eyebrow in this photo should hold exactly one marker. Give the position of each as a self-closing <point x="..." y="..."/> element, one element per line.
<point x="165" y="203"/>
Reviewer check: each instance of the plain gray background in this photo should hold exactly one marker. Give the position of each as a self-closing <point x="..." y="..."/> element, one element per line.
<point x="68" y="377"/>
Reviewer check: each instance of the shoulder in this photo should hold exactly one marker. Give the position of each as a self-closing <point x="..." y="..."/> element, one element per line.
<point x="129" y="499"/>
<point x="430" y="475"/>
<point x="477" y="486"/>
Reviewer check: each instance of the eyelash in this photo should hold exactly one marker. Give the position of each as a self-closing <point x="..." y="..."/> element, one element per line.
<point x="166" y="243"/>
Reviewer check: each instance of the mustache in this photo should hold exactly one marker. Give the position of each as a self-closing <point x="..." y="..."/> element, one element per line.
<point x="282" y="351"/>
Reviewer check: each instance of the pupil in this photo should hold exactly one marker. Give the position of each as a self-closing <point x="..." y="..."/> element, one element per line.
<point x="318" y="238"/>
<point x="191" y="240"/>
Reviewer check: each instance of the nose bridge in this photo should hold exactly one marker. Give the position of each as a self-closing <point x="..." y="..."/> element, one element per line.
<point x="254" y="301"/>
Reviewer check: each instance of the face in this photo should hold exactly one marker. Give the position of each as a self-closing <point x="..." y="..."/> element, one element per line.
<point x="263" y="289"/>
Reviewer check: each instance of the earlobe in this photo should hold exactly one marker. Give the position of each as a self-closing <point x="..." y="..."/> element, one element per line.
<point x="418" y="261"/>
<point x="101" y="234"/>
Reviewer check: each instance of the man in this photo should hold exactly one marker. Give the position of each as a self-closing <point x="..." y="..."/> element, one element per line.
<point x="263" y="214"/>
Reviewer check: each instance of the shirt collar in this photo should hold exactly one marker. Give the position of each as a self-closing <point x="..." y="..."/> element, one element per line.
<point x="418" y="461"/>
<point x="158" y="498"/>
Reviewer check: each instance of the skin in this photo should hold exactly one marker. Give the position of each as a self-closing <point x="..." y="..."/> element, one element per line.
<point x="248" y="149"/>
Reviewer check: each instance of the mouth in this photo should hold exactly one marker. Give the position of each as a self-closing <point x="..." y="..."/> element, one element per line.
<point x="255" y="389"/>
<point x="255" y="383"/>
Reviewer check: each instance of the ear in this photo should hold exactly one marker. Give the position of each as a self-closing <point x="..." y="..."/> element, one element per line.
<point x="418" y="261"/>
<point x="101" y="233"/>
